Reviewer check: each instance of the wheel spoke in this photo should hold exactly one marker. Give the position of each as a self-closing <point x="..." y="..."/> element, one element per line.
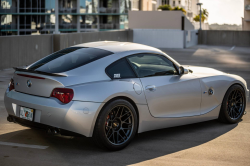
<point x="120" y="135"/>
<point x="117" y="112"/>
<point x="108" y="130"/>
<point x="125" y="114"/>
<point x="124" y="133"/>
<point x="127" y="118"/>
<point x="111" y="135"/>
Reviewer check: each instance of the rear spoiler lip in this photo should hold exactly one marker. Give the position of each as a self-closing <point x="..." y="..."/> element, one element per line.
<point x="39" y="72"/>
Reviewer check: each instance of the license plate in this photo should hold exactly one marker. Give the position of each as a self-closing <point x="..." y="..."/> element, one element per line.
<point x="26" y="113"/>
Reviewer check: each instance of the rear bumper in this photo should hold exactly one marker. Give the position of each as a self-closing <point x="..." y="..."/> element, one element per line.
<point x="47" y="128"/>
<point x="76" y="116"/>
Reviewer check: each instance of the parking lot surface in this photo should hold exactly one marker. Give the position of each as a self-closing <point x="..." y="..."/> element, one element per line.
<point x="207" y="143"/>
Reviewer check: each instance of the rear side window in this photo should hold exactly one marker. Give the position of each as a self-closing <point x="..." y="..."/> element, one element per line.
<point x="149" y="65"/>
<point x="68" y="59"/>
<point x="120" y="69"/>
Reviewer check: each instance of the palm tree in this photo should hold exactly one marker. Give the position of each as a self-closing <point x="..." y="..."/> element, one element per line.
<point x="204" y="16"/>
<point x="205" y="13"/>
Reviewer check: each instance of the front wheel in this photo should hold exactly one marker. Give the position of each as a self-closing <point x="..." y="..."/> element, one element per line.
<point x="116" y="125"/>
<point x="233" y="105"/>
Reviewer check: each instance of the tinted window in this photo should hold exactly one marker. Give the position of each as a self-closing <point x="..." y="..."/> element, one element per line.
<point x="120" y="69"/>
<point x="147" y="65"/>
<point x="68" y="59"/>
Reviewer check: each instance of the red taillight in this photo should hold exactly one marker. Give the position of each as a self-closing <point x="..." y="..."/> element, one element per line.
<point x="63" y="94"/>
<point x="11" y="84"/>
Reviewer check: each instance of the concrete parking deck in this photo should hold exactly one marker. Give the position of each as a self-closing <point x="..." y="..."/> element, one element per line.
<point x="207" y="143"/>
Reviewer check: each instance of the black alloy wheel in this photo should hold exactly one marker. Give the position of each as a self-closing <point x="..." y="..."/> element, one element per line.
<point x="116" y="125"/>
<point x="233" y="105"/>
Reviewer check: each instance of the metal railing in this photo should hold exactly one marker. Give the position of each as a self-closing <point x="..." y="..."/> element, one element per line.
<point x="109" y="26"/>
<point x="67" y="26"/>
<point x="67" y="10"/>
<point x="43" y="26"/>
<point x="8" y="26"/>
<point x="108" y="10"/>
<point x="89" y="26"/>
<point x="10" y="10"/>
<point x="36" y="10"/>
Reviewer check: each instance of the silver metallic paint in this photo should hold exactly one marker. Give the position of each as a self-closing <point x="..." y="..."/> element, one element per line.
<point x="93" y="89"/>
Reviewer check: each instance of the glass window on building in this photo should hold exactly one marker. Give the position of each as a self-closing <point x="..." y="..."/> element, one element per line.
<point x="37" y="22"/>
<point x="88" y="22"/>
<point x="6" y="4"/>
<point x="123" y="22"/>
<point x="173" y="3"/>
<point x="8" y="22"/>
<point x="67" y="6"/>
<point x="125" y="6"/>
<point x="165" y="2"/>
<point x="135" y="4"/>
<point x="37" y="6"/>
<point x="67" y="22"/>
<point x="88" y="6"/>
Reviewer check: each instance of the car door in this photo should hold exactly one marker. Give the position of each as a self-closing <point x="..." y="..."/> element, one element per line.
<point x="168" y="94"/>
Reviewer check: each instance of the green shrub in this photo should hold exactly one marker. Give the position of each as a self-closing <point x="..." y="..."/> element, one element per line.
<point x="165" y="7"/>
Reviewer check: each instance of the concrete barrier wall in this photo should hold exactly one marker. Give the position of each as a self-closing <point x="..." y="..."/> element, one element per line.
<point x="24" y="50"/>
<point x="160" y="38"/>
<point x="191" y="38"/>
<point x="225" y="38"/>
<point x="62" y="41"/>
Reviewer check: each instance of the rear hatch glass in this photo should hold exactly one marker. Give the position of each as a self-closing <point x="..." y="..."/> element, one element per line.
<point x="68" y="59"/>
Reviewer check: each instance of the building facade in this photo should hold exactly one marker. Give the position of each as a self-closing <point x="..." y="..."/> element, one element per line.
<point x="148" y="5"/>
<point x="31" y="17"/>
<point x="246" y="19"/>
<point x="189" y="5"/>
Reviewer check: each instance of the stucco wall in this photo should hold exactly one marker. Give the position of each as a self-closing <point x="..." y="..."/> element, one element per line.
<point x="160" y="38"/>
<point x="157" y="20"/>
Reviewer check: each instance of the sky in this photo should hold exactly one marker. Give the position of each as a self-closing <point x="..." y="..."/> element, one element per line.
<point x="224" y="11"/>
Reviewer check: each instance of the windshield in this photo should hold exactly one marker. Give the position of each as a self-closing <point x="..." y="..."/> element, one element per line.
<point x="68" y="59"/>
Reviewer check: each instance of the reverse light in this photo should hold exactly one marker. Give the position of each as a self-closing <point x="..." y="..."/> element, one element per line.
<point x="63" y="94"/>
<point x="11" y="84"/>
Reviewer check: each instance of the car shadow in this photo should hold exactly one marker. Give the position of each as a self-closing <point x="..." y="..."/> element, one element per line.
<point x="146" y="146"/>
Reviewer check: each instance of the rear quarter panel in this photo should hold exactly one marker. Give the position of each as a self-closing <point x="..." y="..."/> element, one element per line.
<point x="103" y="91"/>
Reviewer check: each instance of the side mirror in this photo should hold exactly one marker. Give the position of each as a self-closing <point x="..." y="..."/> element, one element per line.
<point x="182" y="70"/>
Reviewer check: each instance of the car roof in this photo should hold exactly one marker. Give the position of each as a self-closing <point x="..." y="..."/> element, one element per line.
<point x="115" y="46"/>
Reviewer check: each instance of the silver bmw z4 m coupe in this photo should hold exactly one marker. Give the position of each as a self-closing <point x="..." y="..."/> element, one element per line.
<point x="112" y="90"/>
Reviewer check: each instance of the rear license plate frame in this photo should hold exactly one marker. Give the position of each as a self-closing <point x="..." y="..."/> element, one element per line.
<point x="26" y="113"/>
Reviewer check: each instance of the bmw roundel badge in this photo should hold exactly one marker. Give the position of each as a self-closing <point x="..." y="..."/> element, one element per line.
<point x="29" y="83"/>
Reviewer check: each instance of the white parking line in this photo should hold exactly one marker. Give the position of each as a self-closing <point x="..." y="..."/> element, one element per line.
<point x="232" y="48"/>
<point x="23" y="145"/>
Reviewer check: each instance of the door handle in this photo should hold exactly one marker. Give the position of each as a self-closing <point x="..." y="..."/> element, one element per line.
<point x="150" y="88"/>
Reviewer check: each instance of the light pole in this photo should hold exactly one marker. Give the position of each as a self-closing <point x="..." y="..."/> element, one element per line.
<point x="199" y="4"/>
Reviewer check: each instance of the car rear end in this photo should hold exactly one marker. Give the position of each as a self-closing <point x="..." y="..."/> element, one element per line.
<point x="40" y="95"/>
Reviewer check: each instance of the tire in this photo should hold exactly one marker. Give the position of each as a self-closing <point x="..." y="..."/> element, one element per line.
<point x="233" y="105"/>
<point x="116" y="125"/>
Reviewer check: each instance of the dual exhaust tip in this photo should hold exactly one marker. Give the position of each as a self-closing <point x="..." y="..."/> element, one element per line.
<point x="53" y="131"/>
<point x="50" y="130"/>
<point x="10" y="119"/>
